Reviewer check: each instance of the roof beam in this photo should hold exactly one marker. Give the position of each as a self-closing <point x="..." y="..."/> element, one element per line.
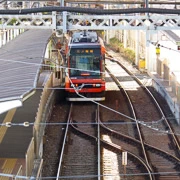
<point x="67" y="21"/>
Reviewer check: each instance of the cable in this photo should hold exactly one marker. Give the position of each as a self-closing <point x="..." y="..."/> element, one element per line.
<point x="159" y="45"/>
<point x="29" y="63"/>
<point x="27" y="124"/>
<point x="45" y="65"/>
<point x="91" y="10"/>
<point x="86" y="176"/>
<point x="62" y="88"/>
<point x="78" y="88"/>
<point x="138" y="121"/>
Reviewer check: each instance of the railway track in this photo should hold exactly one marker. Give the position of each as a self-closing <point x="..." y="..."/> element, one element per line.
<point x="88" y="154"/>
<point x="79" y="158"/>
<point x="96" y="136"/>
<point x="164" y="163"/>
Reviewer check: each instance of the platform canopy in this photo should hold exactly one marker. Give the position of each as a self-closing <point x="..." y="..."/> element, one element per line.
<point x="20" y="64"/>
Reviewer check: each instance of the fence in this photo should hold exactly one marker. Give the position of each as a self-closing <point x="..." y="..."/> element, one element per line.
<point x="43" y="113"/>
<point x="8" y="35"/>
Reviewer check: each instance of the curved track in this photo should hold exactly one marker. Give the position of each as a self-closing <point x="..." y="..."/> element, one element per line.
<point x="86" y="154"/>
<point x="96" y="135"/>
<point x="165" y="164"/>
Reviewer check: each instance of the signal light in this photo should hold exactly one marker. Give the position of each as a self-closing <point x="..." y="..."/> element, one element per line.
<point x="178" y="48"/>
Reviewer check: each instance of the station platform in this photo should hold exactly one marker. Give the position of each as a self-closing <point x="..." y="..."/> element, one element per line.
<point x="14" y="140"/>
<point x="20" y="92"/>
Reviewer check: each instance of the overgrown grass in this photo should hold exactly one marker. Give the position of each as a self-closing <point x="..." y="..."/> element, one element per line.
<point x="117" y="46"/>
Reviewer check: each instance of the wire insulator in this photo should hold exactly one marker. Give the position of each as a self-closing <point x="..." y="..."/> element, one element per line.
<point x="8" y="124"/>
<point x="26" y="124"/>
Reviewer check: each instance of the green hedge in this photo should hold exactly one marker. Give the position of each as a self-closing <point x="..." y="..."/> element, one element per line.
<point x="117" y="46"/>
<point x="13" y="20"/>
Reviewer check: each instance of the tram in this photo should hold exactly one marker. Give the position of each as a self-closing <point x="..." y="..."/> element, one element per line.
<point x="85" y="74"/>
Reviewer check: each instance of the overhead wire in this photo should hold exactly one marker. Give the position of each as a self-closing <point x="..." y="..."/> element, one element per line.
<point x="140" y="76"/>
<point x="149" y="124"/>
<point x="45" y="65"/>
<point x="59" y="66"/>
<point x="76" y="89"/>
<point x="30" y="63"/>
<point x="27" y="124"/>
<point x="166" y="173"/>
<point x="159" y="45"/>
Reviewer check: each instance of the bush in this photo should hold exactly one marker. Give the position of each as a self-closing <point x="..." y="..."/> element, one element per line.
<point x="130" y="54"/>
<point x="13" y="21"/>
<point x="117" y="46"/>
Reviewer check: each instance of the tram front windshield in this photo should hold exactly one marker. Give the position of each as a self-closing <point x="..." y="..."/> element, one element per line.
<point x="85" y="62"/>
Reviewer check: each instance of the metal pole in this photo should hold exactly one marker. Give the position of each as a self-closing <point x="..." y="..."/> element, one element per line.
<point x="99" y="154"/>
<point x="124" y="172"/>
<point x="62" y="3"/>
<point x="147" y="49"/>
<point x="147" y="3"/>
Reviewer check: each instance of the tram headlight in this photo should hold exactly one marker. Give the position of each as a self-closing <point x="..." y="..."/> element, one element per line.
<point x="74" y="85"/>
<point x="98" y="85"/>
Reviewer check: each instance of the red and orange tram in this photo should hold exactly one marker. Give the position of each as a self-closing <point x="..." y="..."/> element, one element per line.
<point x="85" y="74"/>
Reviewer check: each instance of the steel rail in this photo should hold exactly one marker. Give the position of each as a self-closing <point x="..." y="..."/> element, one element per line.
<point x="95" y="139"/>
<point x="157" y="104"/>
<point x="99" y="145"/>
<point x="148" y="146"/>
<point x="130" y="153"/>
<point x="171" y="132"/>
<point x="135" y="118"/>
<point x="64" y="142"/>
